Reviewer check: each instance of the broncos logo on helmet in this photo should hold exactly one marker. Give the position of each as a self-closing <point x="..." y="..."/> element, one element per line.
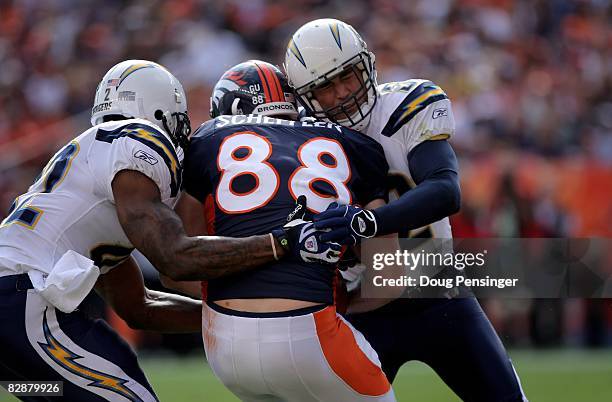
<point x="235" y="76"/>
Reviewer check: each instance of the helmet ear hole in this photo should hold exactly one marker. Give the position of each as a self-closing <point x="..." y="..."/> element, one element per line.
<point x="158" y="114"/>
<point x="236" y="109"/>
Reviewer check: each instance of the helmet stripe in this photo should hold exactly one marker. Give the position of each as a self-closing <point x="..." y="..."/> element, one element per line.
<point x="264" y="84"/>
<point x="292" y="47"/>
<point x="279" y="86"/>
<point x="269" y="80"/>
<point x="334" y="27"/>
<point x="268" y="90"/>
<point x="131" y="69"/>
<point x="275" y="86"/>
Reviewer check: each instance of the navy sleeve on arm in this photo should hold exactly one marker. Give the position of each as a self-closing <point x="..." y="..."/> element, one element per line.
<point x="372" y="168"/>
<point x="434" y="168"/>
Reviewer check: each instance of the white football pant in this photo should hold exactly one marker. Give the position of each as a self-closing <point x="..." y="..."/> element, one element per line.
<point x="311" y="357"/>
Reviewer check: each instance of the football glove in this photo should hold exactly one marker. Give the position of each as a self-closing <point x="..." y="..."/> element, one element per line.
<point x="346" y="224"/>
<point x="302" y="241"/>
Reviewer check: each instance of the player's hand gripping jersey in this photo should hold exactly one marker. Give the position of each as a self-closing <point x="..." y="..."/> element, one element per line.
<point x="412" y="121"/>
<point x="38" y="231"/>
<point x="249" y="170"/>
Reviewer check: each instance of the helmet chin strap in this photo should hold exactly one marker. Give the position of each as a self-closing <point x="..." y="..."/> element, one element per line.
<point x="161" y="116"/>
<point x="363" y="124"/>
<point x="182" y="127"/>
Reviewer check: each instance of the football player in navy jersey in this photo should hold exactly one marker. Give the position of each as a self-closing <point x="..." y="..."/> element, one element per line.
<point x="333" y="75"/>
<point x="273" y="333"/>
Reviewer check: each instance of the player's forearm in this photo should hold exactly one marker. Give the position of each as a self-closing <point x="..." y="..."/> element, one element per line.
<point x="434" y="168"/>
<point x="158" y="233"/>
<point x="210" y="257"/>
<point x="165" y="312"/>
<point x="428" y="202"/>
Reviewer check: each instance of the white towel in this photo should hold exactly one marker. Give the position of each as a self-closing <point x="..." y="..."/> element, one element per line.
<point x="70" y="280"/>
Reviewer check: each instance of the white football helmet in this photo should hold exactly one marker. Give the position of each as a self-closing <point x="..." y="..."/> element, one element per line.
<point x="146" y="90"/>
<point x="321" y="50"/>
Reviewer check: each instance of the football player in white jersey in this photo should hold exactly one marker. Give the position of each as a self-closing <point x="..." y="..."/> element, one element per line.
<point x="334" y="77"/>
<point x="108" y="191"/>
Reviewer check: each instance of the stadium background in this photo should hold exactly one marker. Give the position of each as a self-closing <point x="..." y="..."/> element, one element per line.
<point x="530" y="83"/>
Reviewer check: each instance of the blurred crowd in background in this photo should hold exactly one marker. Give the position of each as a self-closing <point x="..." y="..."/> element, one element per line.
<point x="530" y="83"/>
<point x="530" y="74"/>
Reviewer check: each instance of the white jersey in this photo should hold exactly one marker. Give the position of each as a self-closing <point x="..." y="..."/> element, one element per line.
<point x="71" y="207"/>
<point x="406" y="114"/>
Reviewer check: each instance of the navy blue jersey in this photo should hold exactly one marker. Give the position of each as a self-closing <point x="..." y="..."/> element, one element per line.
<point x="249" y="170"/>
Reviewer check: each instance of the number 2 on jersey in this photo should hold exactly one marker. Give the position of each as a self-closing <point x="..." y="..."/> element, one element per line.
<point x="267" y="180"/>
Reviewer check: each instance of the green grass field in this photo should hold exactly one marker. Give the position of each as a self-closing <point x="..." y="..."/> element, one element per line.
<point x="547" y="376"/>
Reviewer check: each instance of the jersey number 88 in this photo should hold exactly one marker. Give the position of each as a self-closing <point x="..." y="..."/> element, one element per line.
<point x="267" y="180"/>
